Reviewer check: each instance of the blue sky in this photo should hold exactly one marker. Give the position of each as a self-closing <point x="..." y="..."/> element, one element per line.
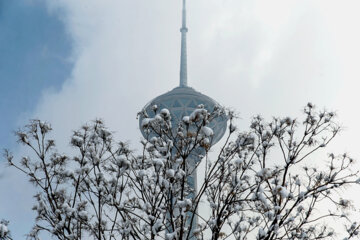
<point x="34" y="56"/>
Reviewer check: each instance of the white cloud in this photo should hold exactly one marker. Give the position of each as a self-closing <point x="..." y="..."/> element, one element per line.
<point x="268" y="56"/>
<point x="257" y="56"/>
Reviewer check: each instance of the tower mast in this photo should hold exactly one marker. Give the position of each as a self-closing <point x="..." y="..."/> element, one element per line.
<point x="183" y="60"/>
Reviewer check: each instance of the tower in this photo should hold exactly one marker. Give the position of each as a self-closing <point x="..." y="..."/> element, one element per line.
<point x="183" y="100"/>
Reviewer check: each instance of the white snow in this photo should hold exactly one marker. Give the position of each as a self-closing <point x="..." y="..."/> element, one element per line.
<point x="3" y="230"/>
<point x="170" y="173"/>
<point x="208" y="132"/>
<point x="282" y="191"/>
<point x="145" y="122"/>
<point x="186" y="119"/>
<point x="238" y="162"/>
<point x="165" y="112"/>
<point x="170" y="236"/>
<point x="158" y="162"/>
<point x="264" y="173"/>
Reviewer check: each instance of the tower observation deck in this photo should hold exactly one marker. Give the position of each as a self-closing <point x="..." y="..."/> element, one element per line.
<point x="183" y="100"/>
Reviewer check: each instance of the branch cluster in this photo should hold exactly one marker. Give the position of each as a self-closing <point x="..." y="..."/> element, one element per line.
<point x="259" y="186"/>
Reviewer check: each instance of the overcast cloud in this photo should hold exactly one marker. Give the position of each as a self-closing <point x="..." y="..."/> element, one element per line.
<point x="268" y="57"/>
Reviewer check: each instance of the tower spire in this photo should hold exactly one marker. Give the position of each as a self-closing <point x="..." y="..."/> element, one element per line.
<point x="183" y="60"/>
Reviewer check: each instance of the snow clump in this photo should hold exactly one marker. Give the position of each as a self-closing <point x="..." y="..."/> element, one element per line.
<point x="4" y="231"/>
<point x="208" y="132"/>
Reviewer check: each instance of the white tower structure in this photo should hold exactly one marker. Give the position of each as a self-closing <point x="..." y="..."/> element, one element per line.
<point x="183" y="100"/>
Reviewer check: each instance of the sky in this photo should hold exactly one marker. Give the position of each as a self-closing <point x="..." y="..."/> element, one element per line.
<point x="35" y="50"/>
<point x="68" y="62"/>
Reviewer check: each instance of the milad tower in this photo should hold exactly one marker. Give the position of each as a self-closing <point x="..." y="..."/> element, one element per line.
<point x="183" y="100"/>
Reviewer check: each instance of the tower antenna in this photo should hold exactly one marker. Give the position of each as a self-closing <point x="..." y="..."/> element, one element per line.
<point x="183" y="60"/>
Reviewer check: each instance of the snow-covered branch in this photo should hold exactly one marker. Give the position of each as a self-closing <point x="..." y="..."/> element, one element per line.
<point x="264" y="183"/>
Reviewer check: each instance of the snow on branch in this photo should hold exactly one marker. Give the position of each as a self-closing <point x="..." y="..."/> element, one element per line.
<point x="263" y="183"/>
